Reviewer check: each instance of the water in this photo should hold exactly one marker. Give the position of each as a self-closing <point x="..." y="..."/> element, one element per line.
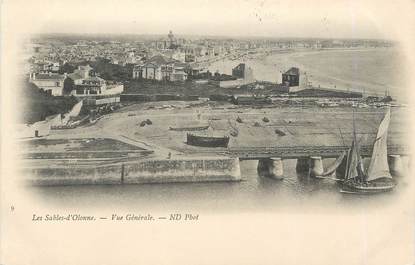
<point x="296" y="192"/>
<point x="372" y="71"/>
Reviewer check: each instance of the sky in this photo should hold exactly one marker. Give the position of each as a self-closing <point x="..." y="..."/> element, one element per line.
<point x="263" y="18"/>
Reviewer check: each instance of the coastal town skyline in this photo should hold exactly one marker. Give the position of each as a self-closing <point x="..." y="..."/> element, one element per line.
<point x="60" y="53"/>
<point x="149" y="36"/>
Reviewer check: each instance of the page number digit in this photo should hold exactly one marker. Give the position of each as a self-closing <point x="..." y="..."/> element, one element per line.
<point x="12" y="208"/>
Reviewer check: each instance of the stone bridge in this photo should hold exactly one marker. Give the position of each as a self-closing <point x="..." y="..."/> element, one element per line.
<point x="294" y="152"/>
<point x="310" y="158"/>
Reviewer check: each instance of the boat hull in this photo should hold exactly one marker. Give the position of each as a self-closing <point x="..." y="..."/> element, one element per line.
<point x="196" y="128"/>
<point x="352" y="186"/>
<point x="207" y="141"/>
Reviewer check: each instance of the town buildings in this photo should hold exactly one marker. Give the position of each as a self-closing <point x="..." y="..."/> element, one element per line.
<point x="162" y="58"/>
<point x="241" y="75"/>
<point x="159" y="68"/>
<point x="291" y="77"/>
<point x="242" y="71"/>
<point x="86" y="82"/>
<point x="48" y="54"/>
<point x="50" y="82"/>
<point x="83" y="82"/>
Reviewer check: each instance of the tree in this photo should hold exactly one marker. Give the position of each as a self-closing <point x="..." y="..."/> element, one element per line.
<point x="68" y="86"/>
<point x="36" y="105"/>
<point x="67" y="68"/>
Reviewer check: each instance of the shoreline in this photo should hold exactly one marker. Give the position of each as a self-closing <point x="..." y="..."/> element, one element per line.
<point x="301" y="125"/>
<point x="272" y="65"/>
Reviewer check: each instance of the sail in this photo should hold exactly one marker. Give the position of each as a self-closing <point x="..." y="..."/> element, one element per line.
<point x="352" y="162"/>
<point x="378" y="167"/>
<point x="73" y="113"/>
<point x="335" y="165"/>
<point x="76" y="109"/>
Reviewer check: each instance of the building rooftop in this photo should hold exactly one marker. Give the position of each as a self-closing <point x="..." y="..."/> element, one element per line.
<point x="293" y="71"/>
<point x="94" y="78"/>
<point x="75" y="76"/>
<point x="158" y="59"/>
<point x="85" y="67"/>
<point x="49" y="76"/>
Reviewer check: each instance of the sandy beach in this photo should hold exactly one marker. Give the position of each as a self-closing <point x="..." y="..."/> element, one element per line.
<point x="371" y="71"/>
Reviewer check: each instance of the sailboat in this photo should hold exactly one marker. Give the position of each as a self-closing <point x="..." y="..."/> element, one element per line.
<point x="377" y="178"/>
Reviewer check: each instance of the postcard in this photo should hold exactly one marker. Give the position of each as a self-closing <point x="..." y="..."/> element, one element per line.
<point x="207" y="132"/>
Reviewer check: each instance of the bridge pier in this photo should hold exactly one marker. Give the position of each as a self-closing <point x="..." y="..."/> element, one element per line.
<point x="302" y="164"/>
<point x="271" y="167"/>
<point x="396" y="167"/>
<point x="315" y="166"/>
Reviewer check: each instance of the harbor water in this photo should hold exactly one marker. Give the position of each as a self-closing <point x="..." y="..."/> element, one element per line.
<point x="254" y="193"/>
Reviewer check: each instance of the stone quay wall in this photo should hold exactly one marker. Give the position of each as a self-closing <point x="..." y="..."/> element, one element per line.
<point x="140" y="172"/>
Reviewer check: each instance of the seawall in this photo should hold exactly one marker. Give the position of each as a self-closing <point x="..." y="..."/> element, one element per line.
<point x="140" y="172"/>
<point x="183" y="170"/>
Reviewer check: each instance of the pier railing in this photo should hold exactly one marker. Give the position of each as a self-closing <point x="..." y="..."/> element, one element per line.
<point x="246" y="153"/>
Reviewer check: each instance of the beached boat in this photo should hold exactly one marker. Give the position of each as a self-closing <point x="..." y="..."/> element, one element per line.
<point x="207" y="141"/>
<point x="377" y="178"/>
<point x="71" y="124"/>
<point x="192" y="128"/>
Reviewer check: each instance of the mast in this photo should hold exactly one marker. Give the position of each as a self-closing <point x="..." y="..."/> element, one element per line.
<point x="354" y="129"/>
<point x="354" y="165"/>
<point x="356" y="145"/>
<point x="359" y="166"/>
<point x="349" y="161"/>
<point x="346" y="177"/>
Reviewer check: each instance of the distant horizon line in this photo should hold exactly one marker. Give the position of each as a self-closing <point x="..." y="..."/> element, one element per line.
<point x="69" y="34"/>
